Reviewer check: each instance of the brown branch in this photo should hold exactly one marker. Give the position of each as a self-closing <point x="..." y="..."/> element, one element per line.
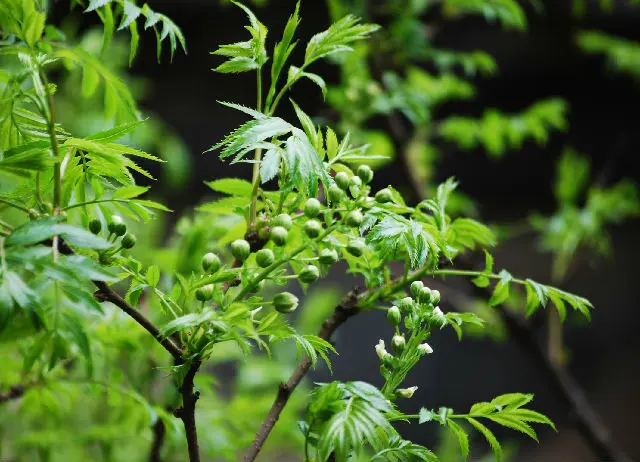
<point x="107" y="294"/>
<point x="346" y="308"/>
<point x="159" y="432"/>
<point x="187" y="413"/>
<point x="591" y="427"/>
<point x="15" y="392"/>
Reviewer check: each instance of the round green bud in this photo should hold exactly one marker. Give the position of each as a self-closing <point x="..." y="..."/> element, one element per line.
<point x="285" y="302"/>
<point x="435" y="297"/>
<point x="416" y="287"/>
<point x="261" y="222"/>
<point x="309" y="274"/>
<point x="211" y="262"/>
<point x="354" y="218"/>
<point x="33" y="214"/>
<point x="283" y="220"/>
<point x="334" y="193"/>
<point x="398" y="343"/>
<point x="406" y="305"/>
<point x="105" y="259"/>
<point x="129" y="241"/>
<point x="263" y="233"/>
<point x="355" y="182"/>
<point x="95" y="226"/>
<point x="240" y="249"/>
<point x="328" y="256"/>
<point x="387" y="360"/>
<point x="384" y="195"/>
<point x="425" y="295"/>
<point x="312" y="207"/>
<point x="356" y="247"/>
<point x="312" y="228"/>
<point x="365" y="173"/>
<point x="204" y="293"/>
<point x="394" y="316"/>
<point x="117" y="226"/>
<point x="279" y="235"/>
<point x="265" y="257"/>
<point x="342" y="180"/>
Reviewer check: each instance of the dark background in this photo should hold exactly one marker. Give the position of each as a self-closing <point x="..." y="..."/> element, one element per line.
<point x="543" y="62"/>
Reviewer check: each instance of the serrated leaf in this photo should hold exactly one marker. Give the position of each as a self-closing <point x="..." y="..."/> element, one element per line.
<point x="232" y="186"/>
<point x="489" y="436"/>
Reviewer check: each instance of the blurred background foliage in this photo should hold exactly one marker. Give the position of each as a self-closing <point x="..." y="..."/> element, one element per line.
<point x="532" y="104"/>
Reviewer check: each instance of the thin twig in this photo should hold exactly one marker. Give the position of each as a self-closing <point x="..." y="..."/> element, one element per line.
<point x="15" y="392"/>
<point x="107" y="294"/>
<point x="348" y="307"/>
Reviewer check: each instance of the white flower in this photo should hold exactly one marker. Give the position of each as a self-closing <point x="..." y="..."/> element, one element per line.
<point x="381" y="350"/>
<point x="425" y="349"/>
<point x="406" y="392"/>
<point x="437" y="312"/>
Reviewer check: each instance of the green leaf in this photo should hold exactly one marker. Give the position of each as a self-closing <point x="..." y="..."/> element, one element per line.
<point x="232" y="186"/>
<point x="37" y="231"/>
<point x="153" y="276"/>
<point x="282" y="51"/>
<point x="489" y="436"/>
<point x="501" y="291"/>
<point x="296" y="73"/>
<point x="461" y="435"/>
<point x="337" y="38"/>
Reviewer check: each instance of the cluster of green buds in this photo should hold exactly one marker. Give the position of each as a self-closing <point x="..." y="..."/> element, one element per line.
<point x="117" y="229"/>
<point x="210" y="264"/>
<point x="415" y="315"/>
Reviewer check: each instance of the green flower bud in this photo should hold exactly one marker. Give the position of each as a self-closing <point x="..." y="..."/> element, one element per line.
<point x="265" y="257"/>
<point x="365" y="173"/>
<point x="406" y="305"/>
<point x="309" y="274"/>
<point x="263" y="233"/>
<point x="406" y="392"/>
<point x="33" y="214"/>
<point x="312" y="207"/>
<point x="387" y="360"/>
<point x="240" y="249"/>
<point x="204" y="293"/>
<point x="384" y="195"/>
<point x="435" y="297"/>
<point x="105" y="259"/>
<point x="312" y="228"/>
<point x="342" y="180"/>
<point x="95" y="226"/>
<point x="283" y="220"/>
<point x="398" y="343"/>
<point x="129" y="241"/>
<point x="354" y="218"/>
<point x="279" y="235"/>
<point x="394" y="316"/>
<point x="334" y="193"/>
<point x="285" y="302"/>
<point x="328" y="256"/>
<point x="356" y="247"/>
<point x="416" y="287"/>
<point x="355" y="182"/>
<point x="211" y="262"/>
<point x="117" y="226"/>
<point x="425" y="295"/>
<point x="261" y="222"/>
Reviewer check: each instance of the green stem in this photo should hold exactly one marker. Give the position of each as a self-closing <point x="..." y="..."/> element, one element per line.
<point x="283" y="90"/>
<point x="14" y="205"/>
<point x="57" y="170"/>
<point x="257" y="157"/>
